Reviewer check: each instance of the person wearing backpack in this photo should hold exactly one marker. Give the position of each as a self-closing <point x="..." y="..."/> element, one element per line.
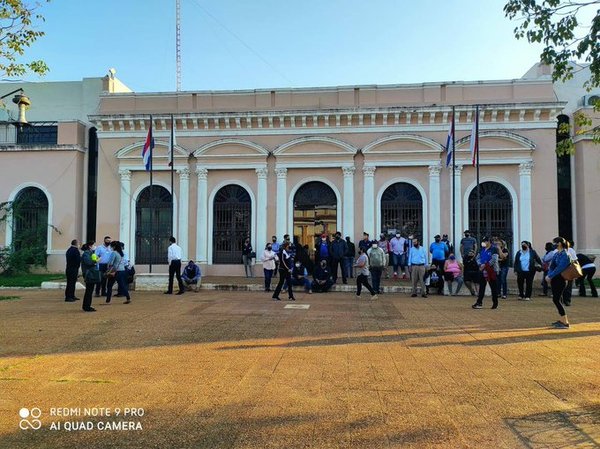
<point x="377" y="264"/>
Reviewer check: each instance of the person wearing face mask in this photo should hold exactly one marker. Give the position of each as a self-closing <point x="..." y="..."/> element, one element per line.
<point x="471" y="272"/>
<point x="285" y="272"/>
<point x="349" y="258"/>
<point x="376" y="265"/>
<point x="269" y="264"/>
<point x="439" y="251"/>
<point x="398" y="248"/>
<point x="275" y="244"/>
<point x="338" y="251"/>
<point x="489" y="267"/>
<point x="417" y="259"/>
<point x="453" y="272"/>
<point x="322" y="278"/>
<point x="560" y="262"/>
<point x="323" y="250"/>
<point x="365" y="243"/>
<point x="300" y="277"/>
<point x="550" y="251"/>
<point x="525" y="267"/>
<point x="104" y="253"/>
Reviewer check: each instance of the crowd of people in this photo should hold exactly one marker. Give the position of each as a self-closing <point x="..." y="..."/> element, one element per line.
<point x="430" y="270"/>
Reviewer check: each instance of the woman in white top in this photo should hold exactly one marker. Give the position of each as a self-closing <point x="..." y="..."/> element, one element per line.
<point x="362" y="263"/>
<point x="269" y="258"/>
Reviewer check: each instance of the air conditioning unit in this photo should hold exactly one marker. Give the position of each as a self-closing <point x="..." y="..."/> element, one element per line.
<point x="590" y="100"/>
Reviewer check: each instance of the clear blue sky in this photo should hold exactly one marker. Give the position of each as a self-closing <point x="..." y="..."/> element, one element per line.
<point x="281" y="43"/>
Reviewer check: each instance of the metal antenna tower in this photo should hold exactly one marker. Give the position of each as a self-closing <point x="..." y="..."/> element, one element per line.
<point x="178" y="41"/>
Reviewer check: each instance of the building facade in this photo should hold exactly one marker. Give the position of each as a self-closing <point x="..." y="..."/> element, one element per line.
<point x="305" y="162"/>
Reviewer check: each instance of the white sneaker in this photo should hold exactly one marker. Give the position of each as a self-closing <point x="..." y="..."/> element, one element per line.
<point x="374" y="297"/>
<point x="526" y="299"/>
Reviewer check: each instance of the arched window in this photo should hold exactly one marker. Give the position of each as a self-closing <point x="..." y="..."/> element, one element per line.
<point x="154" y="225"/>
<point x="496" y="212"/>
<point x="402" y="210"/>
<point x="232" y="211"/>
<point x="315" y="212"/>
<point x="30" y="220"/>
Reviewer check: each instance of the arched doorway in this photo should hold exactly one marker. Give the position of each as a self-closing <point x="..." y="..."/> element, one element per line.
<point x="30" y="221"/>
<point x="496" y="212"/>
<point x="232" y="216"/>
<point x="315" y="212"/>
<point x="402" y="210"/>
<point x="154" y="225"/>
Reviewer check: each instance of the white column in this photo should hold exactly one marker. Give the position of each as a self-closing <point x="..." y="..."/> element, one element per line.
<point x="261" y="212"/>
<point x="525" y="228"/>
<point x="125" y="216"/>
<point x="202" y="216"/>
<point x="184" y="198"/>
<point x="369" y="201"/>
<point x="348" y="203"/>
<point x="281" y="222"/>
<point x="434" y="201"/>
<point x="458" y="204"/>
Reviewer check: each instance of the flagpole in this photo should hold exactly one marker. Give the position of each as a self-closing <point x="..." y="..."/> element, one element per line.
<point x="453" y="178"/>
<point x="479" y="236"/>
<point x="151" y="198"/>
<point x="172" y="168"/>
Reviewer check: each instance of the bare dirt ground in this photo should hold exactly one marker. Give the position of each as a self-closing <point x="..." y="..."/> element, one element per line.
<point x="222" y="369"/>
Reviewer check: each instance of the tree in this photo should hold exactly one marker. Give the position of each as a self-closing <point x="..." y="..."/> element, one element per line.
<point x="558" y="25"/>
<point x="17" y="33"/>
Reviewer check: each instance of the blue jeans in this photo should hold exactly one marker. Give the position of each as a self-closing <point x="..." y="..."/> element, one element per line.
<point x="399" y="260"/>
<point x="503" y="286"/>
<point x="268" y="277"/>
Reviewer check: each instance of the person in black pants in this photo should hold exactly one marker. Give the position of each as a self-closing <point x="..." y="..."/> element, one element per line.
<point x="560" y="262"/>
<point x="285" y="273"/>
<point x="174" y="255"/>
<point x="489" y="268"/>
<point x="72" y="271"/>
<point x="589" y="269"/>
<point x="526" y="273"/>
<point x="90" y="273"/>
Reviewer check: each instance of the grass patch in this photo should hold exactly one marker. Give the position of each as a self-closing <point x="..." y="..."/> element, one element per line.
<point x="597" y="282"/>
<point x="29" y="280"/>
<point x="9" y="298"/>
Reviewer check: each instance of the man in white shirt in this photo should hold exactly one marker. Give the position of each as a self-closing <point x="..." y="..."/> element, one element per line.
<point x="174" y="256"/>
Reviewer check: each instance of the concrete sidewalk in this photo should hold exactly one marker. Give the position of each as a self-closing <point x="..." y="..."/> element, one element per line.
<point x="237" y="370"/>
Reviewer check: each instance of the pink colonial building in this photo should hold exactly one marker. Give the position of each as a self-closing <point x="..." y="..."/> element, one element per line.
<point x="306" y="161"/>
<point x="295" y="161"/>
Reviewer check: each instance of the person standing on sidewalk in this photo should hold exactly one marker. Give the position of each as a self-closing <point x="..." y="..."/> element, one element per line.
<point x="338" y="252"/>
<point x="550" y="252"/>
<point x="376" y="265"/>
<point x="398" y="255"/>
<point x="174" y="256"/>
<point x="524" y="266"/>
<point x="349" y="258"/>
<point x="417" y="258"/>
<point x="362" y="265"/>
<point x="489" y="267"/>
<point x="248" y="256"/>
<point x="104" y="254"/>
<point x="560" y="262"/>
<point x="285" y="272"/>
<point x="439" y="252"/>
<point x="269" y="259"/>
<point x="72" y="271"/>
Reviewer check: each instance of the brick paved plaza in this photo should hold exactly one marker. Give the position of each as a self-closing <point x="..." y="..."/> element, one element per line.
<point x="237" y="370"/>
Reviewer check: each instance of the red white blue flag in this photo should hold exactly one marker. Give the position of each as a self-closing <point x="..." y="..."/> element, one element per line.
<point x="148" y="147"/>
<point x="449" y="143"/>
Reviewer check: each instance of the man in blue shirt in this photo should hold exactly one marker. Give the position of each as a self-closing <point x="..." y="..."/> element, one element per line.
<point x="439" y="251"/>
<point x="417" y="258"/>
<point x="104" y="252"/>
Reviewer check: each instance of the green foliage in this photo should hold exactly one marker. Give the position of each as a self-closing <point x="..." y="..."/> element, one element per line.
<point x="9" y="298"/>
<point x="556" y="24"/>
<point x="29" y="279"/>
<point x="18" y="31"/>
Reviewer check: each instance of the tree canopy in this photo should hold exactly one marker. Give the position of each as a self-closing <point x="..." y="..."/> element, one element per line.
<point x="569" y="31"/>
<point x="18" y="31"/>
